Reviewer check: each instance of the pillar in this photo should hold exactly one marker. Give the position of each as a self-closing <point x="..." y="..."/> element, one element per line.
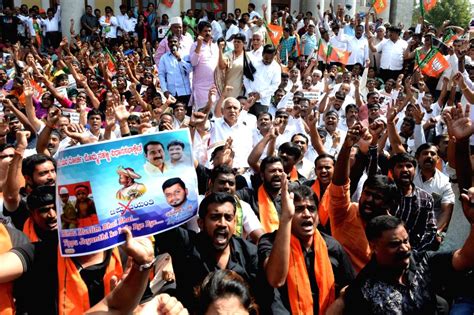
<point x="116" y="7"/>
<point x="311" y="5"/>
<point x="175" y="9"/>
<point x="230" y="6"/>
<point x="185" y="5"/>
<point x="258" y="7"/>
<point x="71" y="9"/>
<point x="295" y="6"/>
<point x="45" y="4"/>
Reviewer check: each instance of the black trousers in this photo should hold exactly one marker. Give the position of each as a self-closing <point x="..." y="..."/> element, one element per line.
<point x="389" y="74"/>
<point x="53" y="39"/>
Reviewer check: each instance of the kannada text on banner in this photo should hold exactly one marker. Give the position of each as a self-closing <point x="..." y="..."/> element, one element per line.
<point x="147" y="183"/>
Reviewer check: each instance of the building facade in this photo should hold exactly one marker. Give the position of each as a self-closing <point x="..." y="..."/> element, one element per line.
<point x="399" y="11"/>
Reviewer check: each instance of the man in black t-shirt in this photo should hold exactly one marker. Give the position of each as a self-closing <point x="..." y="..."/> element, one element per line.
<point x="279" y="259"/>
<point x="8" y="26"/>
<point x="399" y="281"/>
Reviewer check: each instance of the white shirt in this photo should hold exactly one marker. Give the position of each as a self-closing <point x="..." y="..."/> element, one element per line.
<point x="392" y="54"/>
<point x="256" y="55"/>
<point x="240" y="133"/>
<point x="128" y="24"/>
<point x="110" y="28"/>
<point x="339" y="41"/>
<point x="22" y="27"/>
<point x="254" y="14"/>
<point x="53" y="24"/>
<point x="216" y="30"/>
<point x="250" y="221"/>
<point x="438" y="186"/>
<point x="120" y="19"/>
<point x="233" y="30"/>
<point x="266" y="80"/>
<point x="359" y="48"/>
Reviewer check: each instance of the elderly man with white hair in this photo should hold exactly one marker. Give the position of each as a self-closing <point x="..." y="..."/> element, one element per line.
<point x="256" y="45"/>
<point x="185" y="40"/>
<point x="230" y="121"/>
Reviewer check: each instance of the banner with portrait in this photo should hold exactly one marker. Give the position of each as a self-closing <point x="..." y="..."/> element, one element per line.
<point x="147" y="183"/>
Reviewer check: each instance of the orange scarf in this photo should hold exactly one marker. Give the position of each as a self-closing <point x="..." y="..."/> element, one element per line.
<point x="7" y="307"/>
<point x="323" y="201"/>
<point x="299" y="287"/>
<point x="439" y="164"/>
<point x="29" y="230"/>
<point x="73" y="294"/>
<point x="293" y="175"/>
<point x="268" y="214"/>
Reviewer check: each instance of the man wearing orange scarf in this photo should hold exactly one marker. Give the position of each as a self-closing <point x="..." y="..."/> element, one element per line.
<point x="9" y="238"/>
<point x="296" y="259"/>
<point x="324" y="168"/>
<point x="52" y="284"/>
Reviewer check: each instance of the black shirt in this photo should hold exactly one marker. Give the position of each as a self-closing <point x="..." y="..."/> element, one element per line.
<point x="275" y="301"/>
<point x="194" y="258"/>
<point x="8" y="28"/>
<point x="36" y="291"/>
<point x="21" y="214"/>
<point x="375" y="292"/>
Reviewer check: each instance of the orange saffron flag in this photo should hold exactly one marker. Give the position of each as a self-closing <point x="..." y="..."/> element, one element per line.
<point x="380" y="6"/>
<point x="433" y="64"/>
<point x="338" y="55"/>
<point x="429" y="4"/>
<point x="275" y="32"/>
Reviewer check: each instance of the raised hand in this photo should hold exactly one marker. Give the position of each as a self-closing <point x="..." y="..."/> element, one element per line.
<point x="365" y="140"/>
<point x="22" y="139"/>
<point x="110" y="117"/>
<point x="458" y="122"/>
<point x="418" y="114"/>
<point x="27" y="89"/>
<point x="121" y="112"/>
<point x="353" y="135"/>
<point x="468" y="204"/>
<point x="53" y="116"/>
<point x="200" y="39"/>
<point x="197" y="119"/>
<point x="139" y="249"/>
<point x="376" y="128"/>
<point x="392" y="112"/>
<point x="287" y="205"/>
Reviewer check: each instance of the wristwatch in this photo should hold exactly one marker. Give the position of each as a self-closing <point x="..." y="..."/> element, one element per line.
<point x="148" y="265"/>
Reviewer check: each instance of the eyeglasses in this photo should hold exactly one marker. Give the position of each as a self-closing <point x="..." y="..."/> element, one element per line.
<point x="7" y="156"/>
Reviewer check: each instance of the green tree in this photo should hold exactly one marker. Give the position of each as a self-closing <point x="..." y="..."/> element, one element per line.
<point x="457" y="11"/>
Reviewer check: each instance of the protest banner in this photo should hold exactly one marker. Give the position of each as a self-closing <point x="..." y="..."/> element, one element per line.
<point x="312" y="95"/>
<point x="135" y="182"/>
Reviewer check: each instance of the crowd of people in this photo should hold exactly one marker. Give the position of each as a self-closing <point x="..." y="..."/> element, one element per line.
<point x="334" y="160"/>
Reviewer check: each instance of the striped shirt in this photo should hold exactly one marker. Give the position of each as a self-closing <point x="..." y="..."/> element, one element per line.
<point x="418" y="214"/>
